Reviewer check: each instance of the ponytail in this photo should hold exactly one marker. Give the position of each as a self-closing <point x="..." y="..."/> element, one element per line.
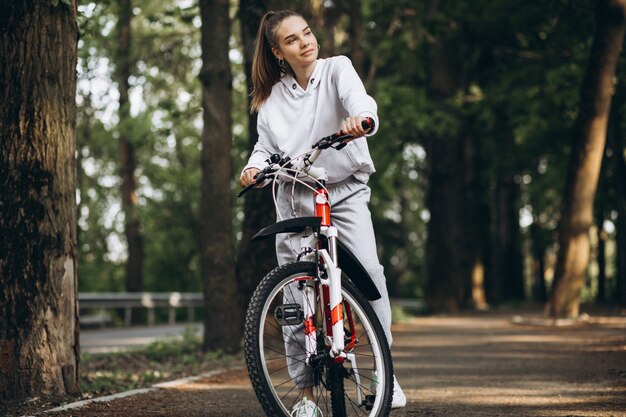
<point x="266" y="70"/>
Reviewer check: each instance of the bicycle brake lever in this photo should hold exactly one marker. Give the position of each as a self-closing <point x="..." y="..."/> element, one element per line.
<point x="258" y="179"/>
<point x="245" y="190"/>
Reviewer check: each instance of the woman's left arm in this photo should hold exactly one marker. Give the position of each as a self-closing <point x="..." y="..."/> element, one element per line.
<point x="354" y="98"/>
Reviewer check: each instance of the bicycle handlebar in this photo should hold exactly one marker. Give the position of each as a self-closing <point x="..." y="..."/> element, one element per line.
<point x="340" y="138"/>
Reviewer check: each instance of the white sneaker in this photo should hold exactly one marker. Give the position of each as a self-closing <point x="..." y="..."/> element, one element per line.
<point x="306" y="408"/>
<point x="399" y="399"/>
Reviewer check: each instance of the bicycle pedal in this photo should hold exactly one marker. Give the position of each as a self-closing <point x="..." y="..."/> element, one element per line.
<point x="289" y="314"/>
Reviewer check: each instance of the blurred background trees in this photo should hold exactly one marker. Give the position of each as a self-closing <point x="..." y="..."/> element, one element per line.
<point x="500" y="156"/>
<point x="478" y="104"/>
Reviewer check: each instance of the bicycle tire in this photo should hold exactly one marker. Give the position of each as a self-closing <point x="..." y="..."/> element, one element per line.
<point x="336" y="390"/>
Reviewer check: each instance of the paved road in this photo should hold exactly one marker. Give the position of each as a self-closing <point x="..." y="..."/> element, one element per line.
<point x="115" y="340"/>
<point x="479" y="365"/>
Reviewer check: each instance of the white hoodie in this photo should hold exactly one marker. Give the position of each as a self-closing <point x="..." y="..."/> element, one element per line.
<point x="292" y="119"/>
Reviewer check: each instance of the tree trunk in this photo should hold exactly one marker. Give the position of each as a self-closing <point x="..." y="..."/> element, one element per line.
<point x="256" y="259"/>
<point x="355" y="35"/>
<point x="447" y="281"/>
<point x="128" y="162"/>
<point x="221" y="316"/>
<point x="618" y="163"/>
<point x="508" y="278"/>
<point x="538" y="251"/>
<point x="585" y="159"/>
<point x="38" y="296"/>
<point x="621" y="233"/>
<point x="327" y="37"/>
<point x="602" y="236"/>
<point x="477" y="217"/>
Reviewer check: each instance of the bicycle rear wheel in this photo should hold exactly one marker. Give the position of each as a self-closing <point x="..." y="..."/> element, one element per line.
<point x="276" y="356"/>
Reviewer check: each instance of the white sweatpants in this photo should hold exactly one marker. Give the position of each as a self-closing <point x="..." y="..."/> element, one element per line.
<point x="351" y="216"/>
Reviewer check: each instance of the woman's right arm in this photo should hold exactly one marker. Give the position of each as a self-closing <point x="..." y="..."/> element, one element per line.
<point x="263" y="149"/>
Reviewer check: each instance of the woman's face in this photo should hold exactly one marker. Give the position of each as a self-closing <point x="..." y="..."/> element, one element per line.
<point x="296" y="43"/>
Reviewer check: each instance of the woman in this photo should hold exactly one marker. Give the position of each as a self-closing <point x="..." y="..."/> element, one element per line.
<point x="299" y="99"/>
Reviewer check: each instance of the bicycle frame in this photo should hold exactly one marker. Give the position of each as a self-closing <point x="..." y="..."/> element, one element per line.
<point x="330" y="296"/>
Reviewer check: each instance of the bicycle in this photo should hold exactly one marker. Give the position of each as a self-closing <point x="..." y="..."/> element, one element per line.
<point x="307" y="326"/>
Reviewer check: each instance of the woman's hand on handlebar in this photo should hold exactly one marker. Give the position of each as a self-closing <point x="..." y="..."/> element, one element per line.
<point x="247" y="177"/>
<point x="353" y="126"/>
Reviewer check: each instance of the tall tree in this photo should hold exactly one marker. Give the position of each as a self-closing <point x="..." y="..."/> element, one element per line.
<point x="126" y="148"/>
<point x="221" y="318"/>
<point x="585" y="159"/>
<point x="507" y="278"/>
<point x="355" y="34"/>
<point x="616" y="145"/>
<point x="253" y="259"/>
<point x="447" y="279"/>
<point x="38" y="300"/>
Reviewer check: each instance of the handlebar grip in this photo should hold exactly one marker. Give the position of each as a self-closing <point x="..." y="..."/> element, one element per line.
<point x="368" y="123"/>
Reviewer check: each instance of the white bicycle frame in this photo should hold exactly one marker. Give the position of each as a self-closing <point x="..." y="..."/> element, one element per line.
<point x="303" y="166"/>
<point x="311" y="251"/>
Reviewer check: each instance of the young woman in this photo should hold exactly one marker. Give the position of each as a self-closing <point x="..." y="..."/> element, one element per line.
<point x="299" y="99"/>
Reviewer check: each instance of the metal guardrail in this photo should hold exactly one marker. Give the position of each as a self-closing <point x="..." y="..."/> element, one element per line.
<point x="103" y="301"/>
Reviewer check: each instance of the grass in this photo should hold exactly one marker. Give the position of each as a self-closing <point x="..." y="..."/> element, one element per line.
<point x="108" y="373"/>
<point x="162" y="360"/>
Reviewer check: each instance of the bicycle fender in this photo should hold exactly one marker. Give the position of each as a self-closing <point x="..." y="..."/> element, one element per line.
<point x="347" y="261"/>
<point x="356" y="272"/>
<point x="299" y="224"/>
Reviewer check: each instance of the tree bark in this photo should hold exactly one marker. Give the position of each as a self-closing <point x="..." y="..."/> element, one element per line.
<point x="355" y="31"/>
<point x="258" y="258"/>
<point x="38" y="299"/>
<point x="585" y="159"/>
<point x="601" y="236"/>
<point x="538" y="251"/>
<point x="221" y="314"/>
<point x="477" y="218"/>
<point x="447" y="282"/>
<point x="128" y="162"/>
<point x="508" y="278"/>
<point x="618" y="164"/>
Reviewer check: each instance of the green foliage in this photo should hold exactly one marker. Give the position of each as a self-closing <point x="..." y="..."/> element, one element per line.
<point x="517" y="71"/>
<point x="162" y="360"/>
<point x="189" y="343"/>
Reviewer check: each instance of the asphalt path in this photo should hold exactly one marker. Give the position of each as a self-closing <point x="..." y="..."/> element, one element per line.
<point x="116" y="340"/>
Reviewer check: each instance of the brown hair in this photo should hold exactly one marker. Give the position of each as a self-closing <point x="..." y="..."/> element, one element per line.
<point x="266" y="71"/>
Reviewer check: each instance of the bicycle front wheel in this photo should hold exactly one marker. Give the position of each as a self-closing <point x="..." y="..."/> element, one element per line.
<point x="276" y="353"/>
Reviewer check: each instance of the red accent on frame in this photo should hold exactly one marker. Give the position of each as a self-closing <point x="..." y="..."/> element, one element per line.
<point x="322" y="209"/>
<point x="337" y="313"/>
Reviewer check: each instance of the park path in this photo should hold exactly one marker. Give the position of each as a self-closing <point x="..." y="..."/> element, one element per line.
<point x="483" y="364"/>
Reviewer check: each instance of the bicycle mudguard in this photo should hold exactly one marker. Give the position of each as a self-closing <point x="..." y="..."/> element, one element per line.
<point x="347" y="261"/>
<point x="357" y="273"/>
<point x="295" y="225"/>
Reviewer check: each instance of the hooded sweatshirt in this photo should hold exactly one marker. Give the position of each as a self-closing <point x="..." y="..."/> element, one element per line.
<point x="293" y="119"/>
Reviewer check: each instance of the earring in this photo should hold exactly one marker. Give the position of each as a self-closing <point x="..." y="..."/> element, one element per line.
<point x="319" y="46"/>
<point x="281" y="62"/>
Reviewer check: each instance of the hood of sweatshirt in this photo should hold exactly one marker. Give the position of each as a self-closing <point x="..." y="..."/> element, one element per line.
<point x="295" y="89"/>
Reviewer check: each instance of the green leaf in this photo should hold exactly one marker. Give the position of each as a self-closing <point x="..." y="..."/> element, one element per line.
<point x="55" y="3"/>
<point x="68" y="2"/>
